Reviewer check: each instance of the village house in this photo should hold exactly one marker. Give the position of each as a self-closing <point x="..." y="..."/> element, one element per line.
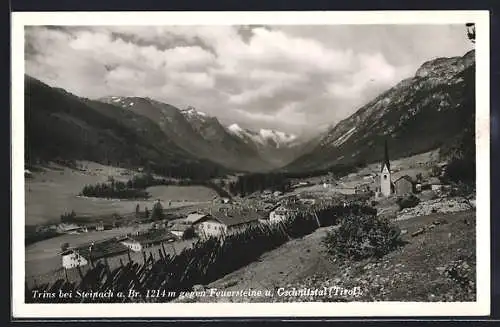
<point x="148" y="239"/>
<point x="404" y="185"/>
<point x="283" y="212"/>
<point x="67" y="228"/>
<point x="432" y="183"/>
<point x="92" y="251"/>
<point x="226" y="221"/>
<point x="71" y="259"/>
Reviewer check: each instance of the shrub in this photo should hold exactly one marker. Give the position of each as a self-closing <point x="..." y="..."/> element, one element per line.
<point x="409" y="201"/>
<point x="363" y="236"/>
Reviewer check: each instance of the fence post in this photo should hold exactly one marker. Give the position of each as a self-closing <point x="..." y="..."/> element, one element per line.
<point x="80" y="272"/>
<point x="151" y="258"/>
<point x="144" y="256"/>
<point x="163" y="248"/>
<point x="317" y="218"/>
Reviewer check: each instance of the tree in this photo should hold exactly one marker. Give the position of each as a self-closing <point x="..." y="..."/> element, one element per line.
<point x="146" y="213"/>
<point x="157" y="213"/>
<point x="137" y="210"/>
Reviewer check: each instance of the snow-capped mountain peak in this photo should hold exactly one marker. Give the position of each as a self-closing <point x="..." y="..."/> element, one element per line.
<point x="264" y="137"/>
<point x="192" y="112"/>
<point x="277" y="136"/>
<point x="123" y="102"/>
<point x="235" y="128"/>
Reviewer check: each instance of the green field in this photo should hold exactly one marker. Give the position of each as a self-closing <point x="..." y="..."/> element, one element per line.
<point x="54" y="191"/>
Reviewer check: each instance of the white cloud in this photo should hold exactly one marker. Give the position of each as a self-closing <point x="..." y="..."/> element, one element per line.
<point x="285" y="77"/>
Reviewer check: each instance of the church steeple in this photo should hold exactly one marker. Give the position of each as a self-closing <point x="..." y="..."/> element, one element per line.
<point x="385" y="174"/>
<point x="386" y="161"/>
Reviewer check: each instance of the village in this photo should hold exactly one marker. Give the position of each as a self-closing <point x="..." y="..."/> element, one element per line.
<point x="384" y="186"/>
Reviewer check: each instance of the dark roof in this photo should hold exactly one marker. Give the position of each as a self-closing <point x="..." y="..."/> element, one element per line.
<point x="234" y="217"/>
<point x="406" y="177"/>
<point x="153" y="236"/>
<point x="107" y="248"/>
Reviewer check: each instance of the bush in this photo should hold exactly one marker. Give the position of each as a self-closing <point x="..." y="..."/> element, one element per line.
<point x="189" y="233"/>
<point x="409" y="201"/>
<point x="363" y="236"/>
<point x="462" y="170"/>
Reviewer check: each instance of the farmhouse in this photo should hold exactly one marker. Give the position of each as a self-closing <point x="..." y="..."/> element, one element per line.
<point x="433" y="183"/>
<point x="71" y="259"/>
<point x="67" y="228"/>
<point x="103" y="249"/>
<point x="226" y="222"/>
<point x="283" y="212"/>
<point x="404" y="185"/>
<point x="148" y="239"/>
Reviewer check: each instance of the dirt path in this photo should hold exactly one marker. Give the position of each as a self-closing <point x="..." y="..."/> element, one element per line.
<point x="290" y="262"/>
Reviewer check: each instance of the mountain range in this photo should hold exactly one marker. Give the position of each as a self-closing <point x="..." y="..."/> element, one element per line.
<point x="141" y="131"/>
<point x="430" y="110"/>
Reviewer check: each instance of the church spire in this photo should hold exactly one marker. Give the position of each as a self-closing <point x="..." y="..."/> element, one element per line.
<point x="386" y="157"/>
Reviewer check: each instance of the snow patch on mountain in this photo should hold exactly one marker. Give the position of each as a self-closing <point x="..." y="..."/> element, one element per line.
<point x="344" y="137"/>
<point x="265" y="137"/>
<point x="192" y="112"/>
<point x="276" y="136"/>
<point x="235" y="128"/>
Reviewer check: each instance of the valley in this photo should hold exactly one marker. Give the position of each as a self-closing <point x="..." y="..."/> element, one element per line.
<point x="191" y="190"/>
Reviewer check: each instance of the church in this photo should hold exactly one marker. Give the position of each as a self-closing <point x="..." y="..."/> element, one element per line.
<point x="386" y="185"/>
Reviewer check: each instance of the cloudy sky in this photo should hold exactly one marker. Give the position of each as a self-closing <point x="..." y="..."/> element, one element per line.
<point x="296" y="79"/>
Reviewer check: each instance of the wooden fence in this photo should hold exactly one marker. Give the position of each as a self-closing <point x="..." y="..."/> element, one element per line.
<point x="161" y="279"/>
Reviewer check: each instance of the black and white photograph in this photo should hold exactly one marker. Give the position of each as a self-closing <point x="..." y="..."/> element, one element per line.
<point x="310" y="163"/>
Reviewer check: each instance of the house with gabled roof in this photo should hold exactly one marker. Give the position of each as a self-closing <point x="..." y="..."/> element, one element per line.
<point x="227" y="221"/>
<point x="194" y="217"/>
<point x="148" y="239"/>
<point x="404" y="185"/>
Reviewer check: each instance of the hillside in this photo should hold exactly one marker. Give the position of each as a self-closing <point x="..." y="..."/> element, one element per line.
<point x="428" y="111"/>
<point x="419" y="271"/>
<point x="60" y="125"/>
<point x="195" y="132"/>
